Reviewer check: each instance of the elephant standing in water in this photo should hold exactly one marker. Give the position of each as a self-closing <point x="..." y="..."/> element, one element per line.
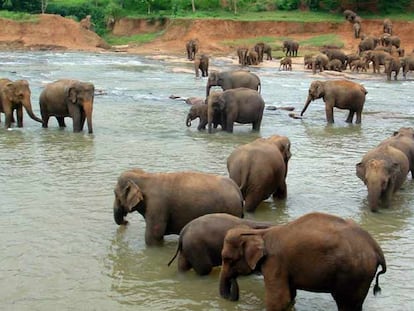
<point x="199" y="110"/>
<point x="201" y="63"/>
<point x="201" y="240"/>
<point x="68" y="98"/>
<point x="316" y="252"/>
<point x="233" y="79"/>
<point x="168" y="201"/>
<point x="290" y="48"/>
<point x="260" y="169"/>
<point x="240" y="105"/>
<point x="191" y="47"/>
<point x="383" y="170"/>
<point x="14" y="96"/>
<point x="342" y="94"/>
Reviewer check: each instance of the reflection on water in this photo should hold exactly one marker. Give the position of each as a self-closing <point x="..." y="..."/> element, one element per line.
<point x="62" y="249"/>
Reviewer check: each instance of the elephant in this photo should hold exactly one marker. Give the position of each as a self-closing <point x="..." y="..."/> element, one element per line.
<point x="290" y="47"/>
<point x="68" y="98"/>
<point x="342" y="94"/>
<point x="200" y="111"/>
<point x="201" y="63"/>
<point x="335" y="64"/>
<point x="242" y="55"/>
<point x="260" y="168"/>
<point x="336" y="54"/>
<point x="407" y="64"/>
<point x="192" y="46"/>
<point x="201" y="240"/>
<point x="14" y="95"/>
<point x="349" y="15"/>
<point x="168" y="201"/>
<point x="242" y="105"/>
<point x="357" y="30"/>
<point x="233" y="79"/>
<point x="359" y="64"/>
<point x="307" y="61"/>
<point x="403" y="140"/>
<point x="383" y="170"/>
<point x="368" y="43"/>
<point x="286" y="63"/>
<point x="320" y="61"/>
<point x="317" y="252"/>
<point x="377" y="57"/>
<point x="392" y="64"/>
<point x="259" y="49"/>
<point x="252" y="57"/>
<point x="267" y="49"/>
<point x="350" y="58"/>
<point x="392" y="41"/>
<point x="387" y="26"/>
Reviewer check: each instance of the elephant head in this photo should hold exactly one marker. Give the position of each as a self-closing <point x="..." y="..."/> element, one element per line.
<point x="242" y="250"/>
<point x="197" y="111"/>
<point x="379" y="176"/>
<point x="214" y="79"/>
<point x="283" y="144"/>
<point x="128" y="197"/>
<point x="13" y="95"/>
<point x="215" y="108"/>
<point x="316" y="90"/>
<point x="81" y="94"/>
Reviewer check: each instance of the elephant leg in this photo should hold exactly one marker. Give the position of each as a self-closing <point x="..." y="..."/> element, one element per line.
<point x="256" y="125"/>
<point x="61" y="122"/>
<point x="350" y="116"/>
<point x="19" y="113"/>
<point x="252" y="201"/>
<point x="277" y="294"/>
<point x="329" y="113"/>
<point x="281" y="191"/>
<point x="358" y="117"/>
<point x="183" y="263"/>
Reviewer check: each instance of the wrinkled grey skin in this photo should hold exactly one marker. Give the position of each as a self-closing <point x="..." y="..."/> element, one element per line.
<point x="368" y="43"/>
<point x="201" y="240"/>
<point x="342" y="94"/>
<point x="233" y="79"/>
<point x="169" y="201"/>
<point x="241" y="105"/>
<point x="200" y="111"/>
<point x="403" y="140"/>
<point x="316" y="252"/>
<point x="377" y="57"/>
<point x="260" y="169"/>
<point x="68" y="98"/>
<point x="14" y="96"/>
<point x="383" y="170"/>
<point x="290" y="48"/>
<point x="320" y="61"/>
<point x="336" y="54"/>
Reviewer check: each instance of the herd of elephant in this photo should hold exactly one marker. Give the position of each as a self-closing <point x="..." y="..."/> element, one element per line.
<point x="61" y="98"/>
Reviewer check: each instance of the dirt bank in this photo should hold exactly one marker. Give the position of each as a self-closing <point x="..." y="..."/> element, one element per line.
<point x="56" y="32"/>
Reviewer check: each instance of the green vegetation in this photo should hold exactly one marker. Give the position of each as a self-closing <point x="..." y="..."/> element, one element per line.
<point x="18" y="16"/>
<point x="131" y="40"/>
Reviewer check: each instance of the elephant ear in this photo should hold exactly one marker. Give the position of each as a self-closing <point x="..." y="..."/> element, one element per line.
<point x="133" y="195"/>
<point x="10" y="90"/>
<point x="254" y="249"/>
<point x="71" y="93"/>
<point x="360" y="170"/>
<point x="319" y="90"/>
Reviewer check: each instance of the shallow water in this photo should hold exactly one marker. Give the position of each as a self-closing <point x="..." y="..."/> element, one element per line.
<point x="63" y="251"/>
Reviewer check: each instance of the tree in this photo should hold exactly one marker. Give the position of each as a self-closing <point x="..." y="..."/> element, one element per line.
<point x="44" y="6"/>
<point x="193" y="5"/>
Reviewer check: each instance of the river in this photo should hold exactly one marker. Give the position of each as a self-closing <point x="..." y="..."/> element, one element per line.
<point x="61" y="249"/>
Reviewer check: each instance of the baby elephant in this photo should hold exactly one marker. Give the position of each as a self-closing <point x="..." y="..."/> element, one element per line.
<point x="199" y="110"/>
<point x="201" y="241"/>
<point x="316" y="252"/>
<point x="286" y="63"/>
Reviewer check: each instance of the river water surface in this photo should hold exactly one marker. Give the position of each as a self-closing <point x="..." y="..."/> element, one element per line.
<point x="61" y="249"/>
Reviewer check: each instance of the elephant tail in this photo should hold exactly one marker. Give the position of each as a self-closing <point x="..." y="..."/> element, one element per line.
<point x="259" y="88"/>
<point x="377" y="288"/>
<point x="179" y="247"/>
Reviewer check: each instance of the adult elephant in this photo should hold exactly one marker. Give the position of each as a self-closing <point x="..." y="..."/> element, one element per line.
<point x="387" y="26"/>
<point x="201" y="240"/>
<point x="392" y="41"/>
<point x="392" y="64"/>
<point x="407" y="64"/>
<point x="168" y="201"/>
<point x="241" y="105"/>
<point x="383" y="170"/>
<point x="377" y="57"/>
<point x="201" y="64"/>
<point x="303" y="254"/>
<point x="336" y="54"/>
<point x="68" y="98"/>
<point x="350" y="15"/>
<point x="290" y="47"/>
<point x="242" y="52"/>
<point x="260" y="168"/>
<point x="191" y="47"/>
<point x="320" y="61"/>
<point x="233" y="79"/>
<point x="200" y="111"/>
<point x="342" y="94"/>
<point x="368" y="43"/>
<point x="14" y="96"/>
<point x="403" y="140"/>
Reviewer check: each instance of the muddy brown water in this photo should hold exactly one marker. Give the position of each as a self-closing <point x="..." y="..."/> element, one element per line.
<point x="61" y="249"/>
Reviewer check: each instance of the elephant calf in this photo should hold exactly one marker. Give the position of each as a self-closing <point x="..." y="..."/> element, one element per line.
<point x="168" y="201"/>
<point x="201" y="240"/>
<point x="383" y="170"/>
<point x="260" y="169"/>
<point x="199" y="110"/>
<point x="316" y="252"/>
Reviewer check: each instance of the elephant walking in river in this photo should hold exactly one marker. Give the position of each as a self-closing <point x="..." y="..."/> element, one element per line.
<point x="233" y="79"/>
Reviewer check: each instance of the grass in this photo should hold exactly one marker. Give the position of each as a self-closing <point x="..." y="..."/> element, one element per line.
<point x="18" y="16"/>
<point x="135" y="39"/>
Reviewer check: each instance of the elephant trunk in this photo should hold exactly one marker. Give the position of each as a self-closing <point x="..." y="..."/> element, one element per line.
<point x="188" y="120"/>
<point x="374" y="194"/>
<point x="28" y="106"/>
<point x="119" y="215"/>
<point x="229" y="289"/>
<point x="308" y="100"/>
<point x="88" y="107"/>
